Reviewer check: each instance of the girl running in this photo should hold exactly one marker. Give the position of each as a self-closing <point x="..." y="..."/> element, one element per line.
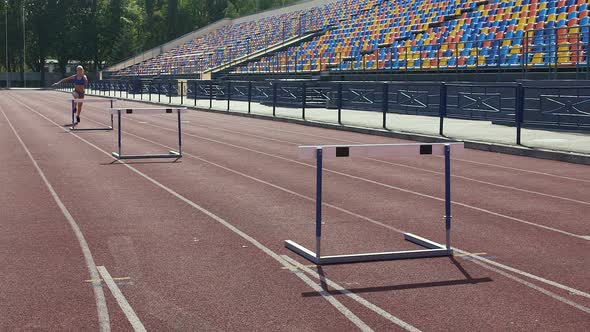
<point x="80" y="82"/>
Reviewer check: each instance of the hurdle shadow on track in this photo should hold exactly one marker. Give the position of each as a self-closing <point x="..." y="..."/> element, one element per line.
<point x="469" y="280"/>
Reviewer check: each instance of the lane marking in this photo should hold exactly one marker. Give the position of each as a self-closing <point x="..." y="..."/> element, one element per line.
<point x="330" y="298"/>
<point x="470" y="254"/>
<point x="458" y="159"/>
<point x="121" y="300"/>
<point x="401" y="165"/>
<point x="114" y="279"/>
<point x="101" y="306"/>
<point x="198" y="115"/>
<point x="459" y="251"/>
<point x="208" y="213"/>
<point x="519" y="220"/>
<point x="483" y="260"/>
<point x="311" y="266"/>
<point x="485" y="182"/>
<point x="352" y="295"/>
<point x="526" y="171"/>
<point x="533" y="286"/>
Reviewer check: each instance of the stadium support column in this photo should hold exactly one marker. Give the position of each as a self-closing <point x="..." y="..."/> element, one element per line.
<point x="339" y="103"/>
<point x="385" y="100"/>
<point x="519" y="116"/>
<point x="442" y="108"/>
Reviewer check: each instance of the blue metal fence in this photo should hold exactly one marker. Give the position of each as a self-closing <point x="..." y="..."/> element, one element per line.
<point x="561" y="105"/>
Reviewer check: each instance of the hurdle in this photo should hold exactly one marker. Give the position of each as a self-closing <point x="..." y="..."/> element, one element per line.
<point x="97" y="100"/>
<point x="148" y="110"/>
<point x="432" y="249"/>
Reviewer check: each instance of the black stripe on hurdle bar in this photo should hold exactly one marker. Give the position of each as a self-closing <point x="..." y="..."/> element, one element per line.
<point x="342" y="151"/>
<point x="168" y="110"/>
<point x="129" y="111"/>
<point x="425" y="149"/>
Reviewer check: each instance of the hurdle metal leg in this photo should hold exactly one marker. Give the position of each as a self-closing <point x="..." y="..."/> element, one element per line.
<point x="448" y="216"/>
<point x="119" y="131"/>
<point x="112" y="124"/>
<point x="73" y="114"/>
<point x="318" y="202"/>
<point x="179" y="134"/>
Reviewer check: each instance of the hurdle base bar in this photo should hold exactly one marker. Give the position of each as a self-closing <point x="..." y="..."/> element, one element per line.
<point x="74" y="128"/>
<point x="170" y="155"/>
<point x="433" y="249"/>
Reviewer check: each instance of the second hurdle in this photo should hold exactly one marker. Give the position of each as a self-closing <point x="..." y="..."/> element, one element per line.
<point x="150" y="110"/>
<point x="94" y="100"/>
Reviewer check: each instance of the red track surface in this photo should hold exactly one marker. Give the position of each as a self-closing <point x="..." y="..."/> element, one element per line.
<point x="183" y="269"/>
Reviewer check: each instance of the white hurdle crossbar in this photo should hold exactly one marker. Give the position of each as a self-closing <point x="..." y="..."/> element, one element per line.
<point x="432" y="249"/>
<point x="149" y="110"/>
<point x="96" y="100"/>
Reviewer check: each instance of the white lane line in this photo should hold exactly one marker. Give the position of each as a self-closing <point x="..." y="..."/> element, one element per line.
<point x="311" y="199"/>
<point x="523" y="273"/>
<point x="519" y="220"/>
<point x="401" y="165"/>
<point x="525" y="171"/>
<point x="458" y="159"/>
<point x="485" y="182"/>
<point x="121" y="300"/>
<point x="482" y="259"/>
<point x="352" y="295"/>
<point x="533" y="286"/>
<point x="330" y="298"/>
<point x="101" y="306"/>
<point x="208" y="213"/>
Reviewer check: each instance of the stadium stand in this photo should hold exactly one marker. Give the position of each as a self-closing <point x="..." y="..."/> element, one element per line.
<point x="392" y="36"/>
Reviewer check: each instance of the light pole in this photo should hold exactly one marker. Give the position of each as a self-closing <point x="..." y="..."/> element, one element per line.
<point x="6" y="40"/>
<point x="24" y="49"/>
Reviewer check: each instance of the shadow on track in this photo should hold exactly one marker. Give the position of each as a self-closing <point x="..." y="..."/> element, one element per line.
<point x="469" y="280"/>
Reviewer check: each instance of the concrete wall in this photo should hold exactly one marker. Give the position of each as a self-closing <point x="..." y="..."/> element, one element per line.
<point x="32" y="78"/>
<point x="306" y="4"/>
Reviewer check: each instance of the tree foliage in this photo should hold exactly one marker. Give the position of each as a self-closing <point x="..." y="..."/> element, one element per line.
<point x="102" y="32"/>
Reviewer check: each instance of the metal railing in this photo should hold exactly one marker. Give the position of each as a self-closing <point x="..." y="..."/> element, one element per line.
<point x="534" y="104"/>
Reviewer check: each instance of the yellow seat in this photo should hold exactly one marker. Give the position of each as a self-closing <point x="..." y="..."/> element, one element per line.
<point x="564" y="58"/>
<point x="537" y="58"/>
<point x="516" y="50"/>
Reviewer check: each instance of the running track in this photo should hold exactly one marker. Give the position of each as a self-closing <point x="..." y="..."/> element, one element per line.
<point x="197" y="244"/>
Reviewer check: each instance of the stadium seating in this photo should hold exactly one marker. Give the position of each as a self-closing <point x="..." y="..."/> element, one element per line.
<point x="395" y="35"/>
